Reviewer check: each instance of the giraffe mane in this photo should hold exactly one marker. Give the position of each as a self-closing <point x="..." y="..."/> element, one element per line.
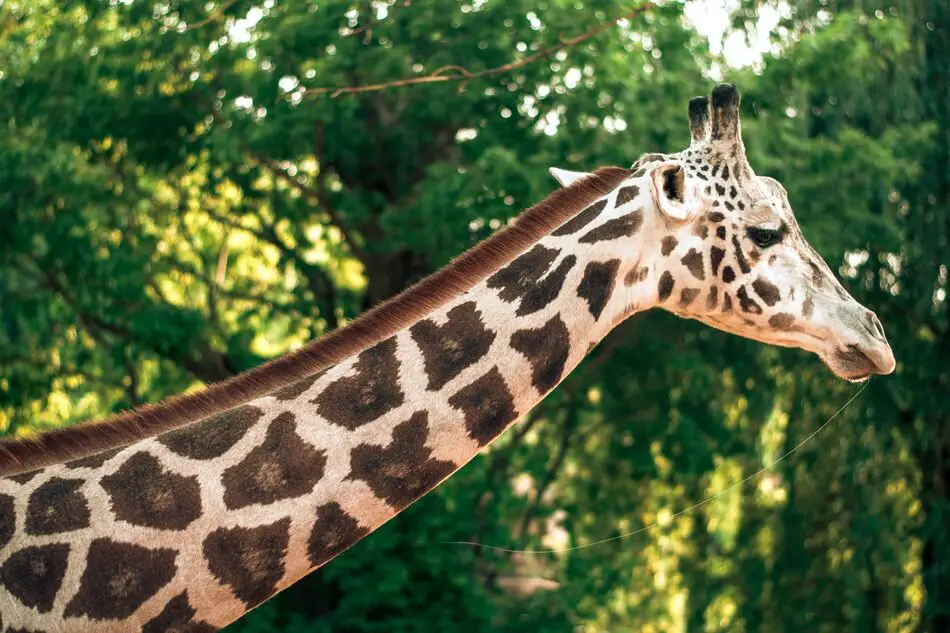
<point x="376" y="324"/>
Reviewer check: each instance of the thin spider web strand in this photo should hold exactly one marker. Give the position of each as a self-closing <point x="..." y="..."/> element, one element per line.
<point x="680" y="513"/>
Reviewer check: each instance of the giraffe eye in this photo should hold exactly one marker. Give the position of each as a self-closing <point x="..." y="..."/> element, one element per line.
<point x="764" y="238"/>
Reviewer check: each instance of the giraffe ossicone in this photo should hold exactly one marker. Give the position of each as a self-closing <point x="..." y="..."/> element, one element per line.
<point x="188" y="514"/>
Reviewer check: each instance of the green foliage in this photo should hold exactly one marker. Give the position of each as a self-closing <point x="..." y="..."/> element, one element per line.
<point x="178" y="204"/>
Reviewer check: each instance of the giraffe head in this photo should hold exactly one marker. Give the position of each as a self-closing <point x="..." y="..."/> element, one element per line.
<point x="721" y="245"/>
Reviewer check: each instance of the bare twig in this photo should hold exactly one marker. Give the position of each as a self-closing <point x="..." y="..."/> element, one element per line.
<point x="461" y="74"/>
<point x="217" y="13"/>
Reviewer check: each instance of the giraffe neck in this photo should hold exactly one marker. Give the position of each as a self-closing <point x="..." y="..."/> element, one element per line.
<point x="200" y="524"/>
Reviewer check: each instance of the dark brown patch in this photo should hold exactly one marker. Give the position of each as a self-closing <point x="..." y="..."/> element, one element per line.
<point x="176" y="617"/>
<point x="7" y="520"/>
<point x="817" y="277"/>
<point x="295" y="389"/>
<point x="119" y="578"/>
<point x="636" y="275"/>
<point x="249" y="560"/>
<point x="141" y="492"/>
<point x="487" y="405"/>
<point x="547" y="290"/>
<point x="715" y="258"/>
<point x="523" y="273"/>
<point x="745" y="303"/>
<point x="34" y="575"/>
<point x="725" y="172"/>
<point x="701" y="231"/>
<point x="581" y="220"/>
<point x="769" y="293"/>
<point x="283" y="467"/>
<point x="627" y="194"/>
<point x="352" y="401"/>
<point x="721" y="232"/>
<point x="726" y="303"/>
<point x="598" y="284"/>
<point x="381" y="322"/>
<point x="213" y="437"/>
<point x="667" y="245"/>
<point x="728" y="275"/>
<point x="96" y="460"/>
<point x="782" y="321"/>
<point x="448" y="349"/>
<point x="665" y="286"/>
<point x="720" y="189"/>
<point x="772" y="259"/>
<point x="740" y="256"/>
<point x="546" y="349"/>
<point x="404" y="471"/>
<point x="688" y="295"/>
<point x="712" y="298"/>
<point x="693" y="260"/>
<point x="57" y="506"/>
<point x="754" y="255"/>
<point x="623" y="226"/>
<point x="521" y="280"/>
<point x="808" y="307"/>
<point x="23" y="478"/>
<point x="333" y="532"/>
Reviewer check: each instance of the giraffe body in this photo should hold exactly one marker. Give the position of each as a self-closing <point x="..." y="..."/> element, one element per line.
<point x="188" y="528"/>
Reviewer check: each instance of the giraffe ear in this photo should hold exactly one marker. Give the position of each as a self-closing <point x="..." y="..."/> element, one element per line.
<point x="674" y="192"/>
<point x="566" y="177"/>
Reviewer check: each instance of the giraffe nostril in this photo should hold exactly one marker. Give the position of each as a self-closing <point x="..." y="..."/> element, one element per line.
<point x="875" y="324"/>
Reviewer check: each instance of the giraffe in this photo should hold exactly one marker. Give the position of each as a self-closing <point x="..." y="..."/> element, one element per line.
<point x="185" y="515"/>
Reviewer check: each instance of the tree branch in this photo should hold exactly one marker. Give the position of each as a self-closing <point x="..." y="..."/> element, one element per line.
<point x="459" y="73"/>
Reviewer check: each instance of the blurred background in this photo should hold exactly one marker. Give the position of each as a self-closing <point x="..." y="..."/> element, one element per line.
<point x="184" y="194"/>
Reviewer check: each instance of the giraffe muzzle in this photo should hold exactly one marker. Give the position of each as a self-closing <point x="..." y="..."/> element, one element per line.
<point x="867" y="353"/>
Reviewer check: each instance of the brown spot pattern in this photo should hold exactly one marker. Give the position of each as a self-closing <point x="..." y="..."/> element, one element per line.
<point x="715" y="258"/>
<point x="693" y="260"/>
<point x="352" y="401"/>
<point x="448" y="349"/>
<point x="141" y="492"/>
<point x="768" y="292"/>
<point x="521" y="279"/>
<point x="598" y="284"/>
<point x="808" y="307"/>
<point x="7" y="520"/>
<point x="283" y="467"/>
<point x="33" y="575"/>
<point x="665" y="285"/>
<point x="726" y="303"/>
<point x="782" y="321"/>
<point x="249" y="560"/>
<point x="745" y="303"/>
<point x="487" y="405"/>
<point x="581" y="220"/>
<point x="616" y="228"/>
<point x="740" y="256"/>
<point x="213" y="437"/>
<point x="57" y="506"/>
<point x="119" y="578"/>
<point x="712" y="298"/>
<point x="688" y="295"/>
<point x="728" y="274"/>
<point x="667" y="244"/>
<point x="627" y="194"/>
<point x="546" y="349"/>
<point x="23" y="478"/>
<point x="297" y="388"/>
<point x="516" y="278"/>
<point x="404" y="471"/>
<point x="333" y="532"/>
<point x="95" y="460"/>
<point x="176" y="617"/>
